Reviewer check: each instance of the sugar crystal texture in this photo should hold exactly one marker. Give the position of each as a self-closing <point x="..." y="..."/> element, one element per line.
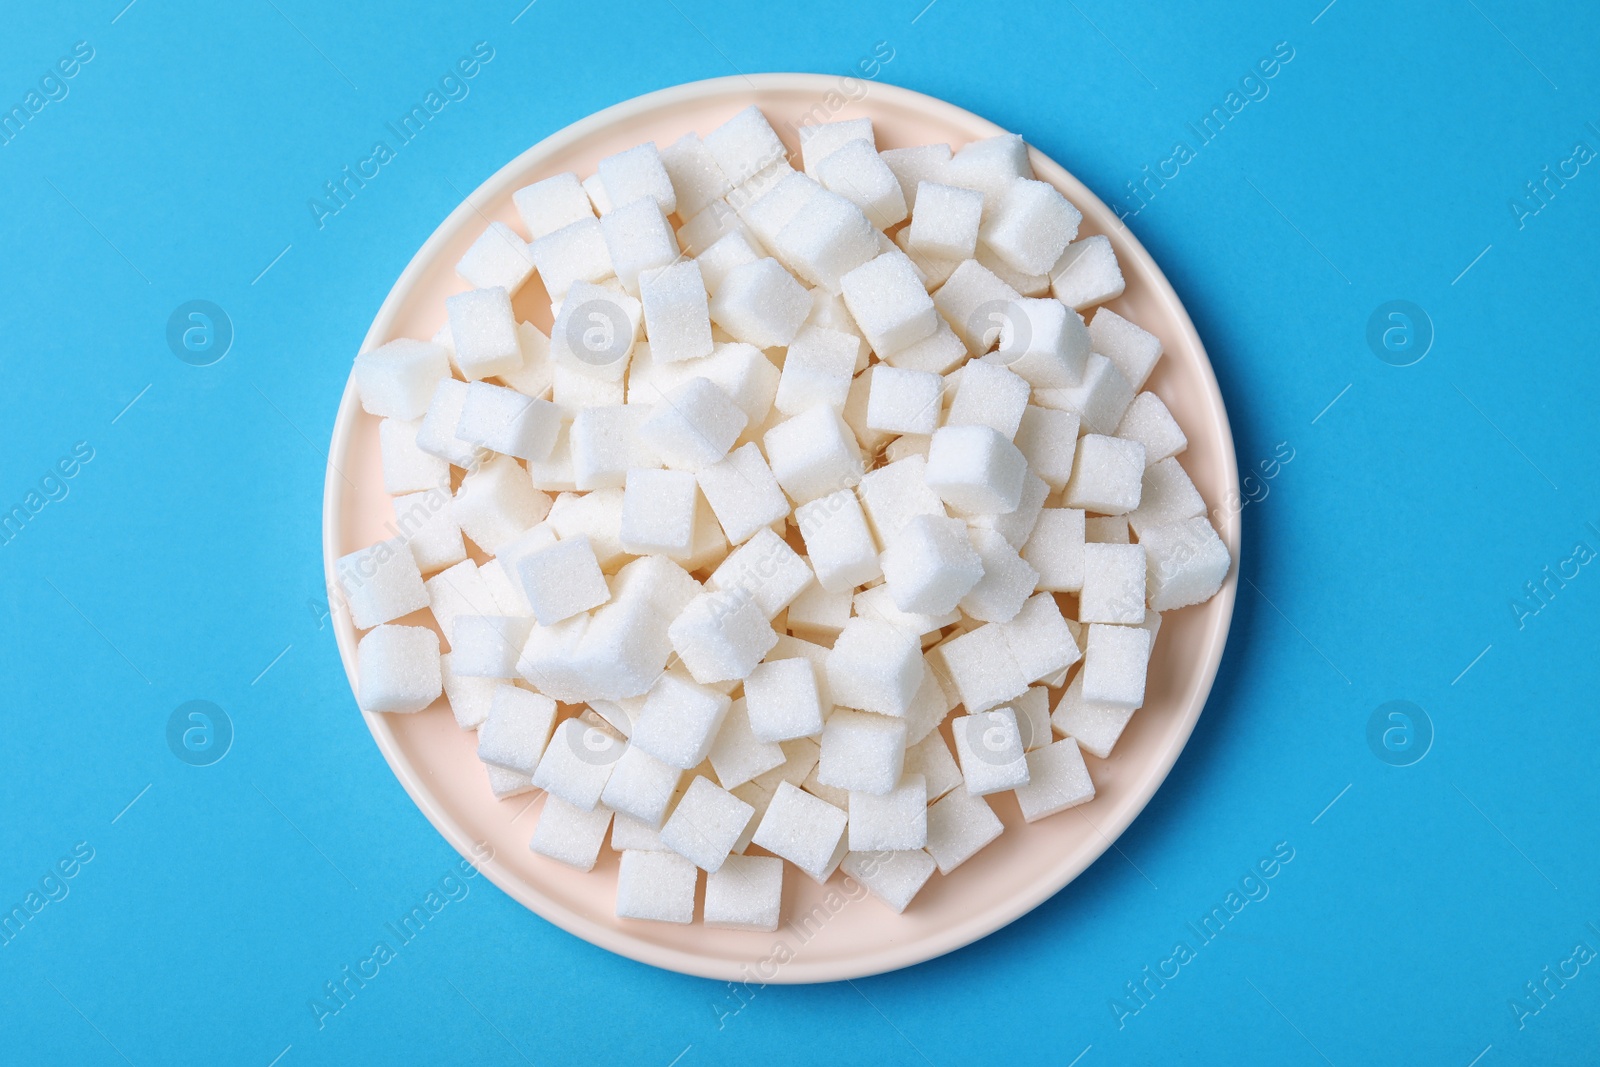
<point x="1057" y="780"/>
<point x="706" y="824"/>
<point x="959" y="825"/>
<point x="398" y="669"/>
<point x="745" y="893"/>
<point x="658" y="886"/>
<point x="803" y="829"/>
<point x="570" y="834"/>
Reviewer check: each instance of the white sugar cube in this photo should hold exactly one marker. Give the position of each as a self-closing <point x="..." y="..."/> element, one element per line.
<point x="1057" y="780"/>
<point x="1055" y="549"/>
<point x="676" y="312"/>
<point x="1095" y="727"/>
<point x="407" y="468"/>
<point x="981" y="668"/>
<point x="929" y="564"/>
<point x="1039" y="639"/>
<point x="1030" y="226"/>
<point x="743" y="493"/>
<point x="1007" y="579"/>
<point x="803" y="829"/>
<point x="706" y="824"/>
<point x="628" y="832"/>
<point x="989" y="395"/>
<point x="761" y="303"/>
<point x="437" y="434"/>
<point x="903" y="401"/>
<point x="746" y="893"/>
<point x="658" y="510"/>
<point x="504" y="783"/>
<point x="782" y="700"/>
<point x="547" y="663"/>
<point x="841" y="549"/>
<point x="874" y="667"/>
<point x="516" y="729"/>
<point x="577" y="762"/>
<point x="562" y="580"/>
<point x="569" y="834"/>
<point x="945" y="223"/>
<point x="1016" y="526"/>
<point x="641" y="786"/>
<point x="397" y="380"/>
<point x="727" y="252"/>
<point x="663" y="584"/>
<point x="380" y="583"/>
<point x="488" y="646"/>
<point x="1100" y="400"/>
<point x="576" y="252"/>
<point x="990" y="164"/>
<point x="817" y="613"/>
<point x="878" y="603"/>
<point x="623" y="649"/>
<point x="595" y="190"/>
<point x="816" y="370"/>
<point x="397" y="668"/>
<point x="658" y="886"/>
<point x="572" y="391"/>
<point x="933" y="271"/>
<point x="507" y="421"/>
<point x="745" y="145"/>
<point x="813" y="454"/>
<point x="430" y="531"/>
<point x="895" y="878"/>
<point x="1032" y="710"/>
<point x="469" y="698"/>
<point x="1113" y="584"/>
<point x="975" y="469"/>
<point x="1131" y="348"/>
<point x="767" y="569"/>
<point x="1148" y="421"/>
<point x="1107" y="474"/>
<point x="1044" y="342"/>
<point x="607" y="443"/>
<point x="912" y="166"/>
<point x="597" y="516"/>
<point x="484" y="332"/>
<point x="1028" y="285"/>
<point x="938" y="353"/>
<point x="931" y="759"/>
<point x="638" y="172"/>
<point x="721" y="635"/>
<point x="709" y="225"/>
<point x="1087" y="273"/>
<point x="694" y="425"/>
<point x="820" y="140"/>
<point x="738" y="755"/>
<point x="990" y="750"/>
<point x="459" y="590"/>
<point x="1187" y="563"/>
<point x="959" y="825"/>
<point x="696" y="178"/>
<point x="496" y="502"/>
<point x="1166" y="495"/>
<point x="856" y="172"/>
<point x="638" y="238"/>
<point x="827" y="239"/>
<point x="894" y="494"/>
<point x="1115" y="660"/>
<point x="775" y="205"/>
<point x="890" y="821"/>
<point x="546" y="206"/>
<point x="497" y="258"/>
<point x="975" y="303"/>
<point x="679" y="720"/>
<point x="1048" y="440"/>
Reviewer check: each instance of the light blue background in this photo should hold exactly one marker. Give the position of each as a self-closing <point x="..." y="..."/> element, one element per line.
<point x="1381" y="565"/>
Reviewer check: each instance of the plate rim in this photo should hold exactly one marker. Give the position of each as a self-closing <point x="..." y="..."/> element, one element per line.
<point x="796" y="971"/>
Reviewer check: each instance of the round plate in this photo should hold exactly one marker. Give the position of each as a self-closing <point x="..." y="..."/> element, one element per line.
<point x="844" y="933"/>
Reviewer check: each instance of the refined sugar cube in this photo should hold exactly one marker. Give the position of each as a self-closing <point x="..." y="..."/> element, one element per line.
<point x="827" y="239"/>
<point x="878" y="603"/>
<point x="380" y="583"/>
<point x="929" y="707"/>
<point x="839" y="798"/>
<point x="890" y="821"/>
<point x="990" y="750"/>
<point x="696" y="178"/>
<point x="1007" y="579"/>
<point x="818" y="613"/>
<point x="721" y="635"/>
<point x="554" y="472"/>
<point x="1030" y="226"/>
<point x="766" y="568"/>
<point x="1106" y="475"/>
<point x="989" y="395"/>
<point x="547" y="664"/>
<point x="1016" y="526"/>
<point x="1048" y="440"/>
<point x="429" y="530"/>
<point x="990" y="165"/>
<point x="1100" y="400"/>
<point x="546" y="206"/>
<point x="1133" y="350"/>
<point x="469" y="698"/>
<point x="607" y="442"/>
<point x="903" y="401"/>
<point x="694" y="425"/>
<point x="628" y="832"/>
<point x="893" y="877"/>
<point x="930" y="758"/>
<point x="1032" y="710"/>
<point x="507" y="421"/>
<point x="437" y="434"/>
<point x="641" y="786"/>
<point x="729" y="251"/>
<point x="856" y="172"/>
<point x="783" y="701"/>
<point x="745" y="374"/>
<point x="562" y="580"/>
<point x="981" y="668"/>
<point x="803" y="829"/>
<point x="930" y="564"/>
<point x="504" y="783"/>
<point x="862" y="751"/>
<point x="1187" y="563"/>
<point x="622" y="650"/>
<point x="577" y="762"/>
<point x="658" y="512"/>
<point x="514" y="733"/>
<point x="874" y="667"/>
<point x="1148" y="421"/>
<point x="1055" y="549"/>
<point x="1087" y="273"/>
<point x="1114" y="665"/>
<point x="912" y="166"/>
<point x="893" y="495"/>
<point x="819" y="141"/>
<point x="937" y="353"/>
<point x="658" y="886"/>
<point x="456" y="591"/>
<point x="1113" y="584"/>
<point x="709" y="225"/>
<point x="1045" y="343"/>
<point x="591" y="343"/>
<point x="679" y="720"/>
<point x="745" y="145"/>
<point x="638" y="238"/>
<point x="706" y="824"/>
<point x="745" y="893"/>
<point x="595" y="190"/>
<point x="775" y="207"/>
<point x="407" y="468"/>
<point x="738" y="755"/>
<point x="484" y="332"/>
<point x="576" y="252"/>
<point x="1166" y="495"/>
<point x="959" y="825"/>
<point x="1028" y="285"/>
<point x="676" y="312"/>
<point x="497" y="258"/>
<point x="398" y="669"/>
<point x="1057" y="780"/>
<point x="1095" y="727"/>
<point x="816" y="370"/>
<point x="488" y="646"/>
<point x="838" y="543"/>
<point x="945" y="223"/>
<point x="638" y="172"/>
<point x="496" y="502"/>
<point x="397" y="380"/>
<point x="1039" y="639"/>
<point x="596" y="515"/>
<point x="761" y="303"/>
<point x="742" y="493"/>
<point x="975" y="469"/>
<point x="889" y="304"/>
<point x="569" y="834"/>
<point x="813" y="454"/>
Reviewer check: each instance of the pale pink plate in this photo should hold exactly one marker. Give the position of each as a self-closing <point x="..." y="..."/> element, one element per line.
<point x="844" y="934"/>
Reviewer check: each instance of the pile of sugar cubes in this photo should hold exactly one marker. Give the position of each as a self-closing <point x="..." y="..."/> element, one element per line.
<point x="831" y="505"/>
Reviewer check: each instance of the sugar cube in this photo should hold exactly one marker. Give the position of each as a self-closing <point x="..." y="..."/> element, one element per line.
<point x="407" y="468"/>
<point x="706" y="824"/>
<point x="596" y="515"/>
<point x="488" y="646"/>
<point x="894" y="494"/>
<point x="1095" y="727"/>
<point x="819" y="614"/>
<point x="562" y="580"/>
<point x="938" y="353"/>
<point x="745" y="893"/>
<point x="721" y="635"/>
<point x="774" y="205"/>
<point x="990" y="164"/>
<point x="816" y="370"/>
<point x="658" y="886"/>
<point x="990" y="750"/>
<point x="398" y="669"/>
<point x="761" y="303"/>
<point x="1132" y="349"/>
<point x="1030" y="226"/>
<point x="496" y="502"/>
<point x="912" y="166"/>
<point x="680" y="720"/>
<point x="638" y="172"/>
<point x="569" y="834"/>
<point x="497" y="258"/>
<point x="641" y="786"/>
<point x="1055" y="549"/>
<point x="875" y="667"/>
<point x="945" y="223"/>
<point x="890" y="821"/>
<point x="903" y="401"/>
<point x="766" y="568"/>
<point x="1028" y="285"/>
<point x="820" y="140"/>
<point x="1057" y="780"/>
<point x="577" y="762"/>
<point x="803" y="829"/>
<point x="989" y="395"/>
<point x="1107" y="529"/>
<point x="1048" y="440"/>
<point x="517" y="728"/>
<point x="877" y="602"/>
<point x="546" y="206"/>
<point x="1113" y="584"/>
<point x="484" y="332"/>
<point x="1007" y="579"/>
<point x="929" y="564"/>
<point x="1032" y="710"/>
<point x="743" y="493"/>
<point x="606" y="444"/>
<point x="1115" y="660"/>
<point x="1187" y="563"/>
<point x="469" y="698"/>
<point x="783" y="701"/>
<point x="658" y="510"/>
<point x="745" y="145"/>
<point x="839" y="545"/>
<point x="576" y="252"/>
<point x="861" y="751"/>
<point x="507" y="421"/>
<point x="694" y="425"/>
<point x="504" y="783"/>
<point x="1100" y="400"/>
<point x="981" y="668"/>
<point x="1044" y="342"/>
<point x="1106" y="475"/>
<point x="959" y="825"/>
<point x="696" y="178"/>
<point x="437" y="434"/>
<point x="1166" y="495"/>
<point x="1039" y="639"/>
<point x="456" y="591"/>
<point x="397" y="380"/>
<point x="895" y="877"/>
<point x="547" y="664"/>
<point x="813" y="454"/>
<point x="1087" y="273"/>
<point x="380" y="583"/>
<point x="975" y="469"/>
<point x="827" y="239"/>
<point x="889" y="304"/>
<point x="856" y="172"/>
<point x="638" y="238"/>
<point x="424" y="521"/>
<point x="676" y="312"/>
<point x="930" y="758"/>
<point x="738" y="755"/>
<point x="1148" y="421"/>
